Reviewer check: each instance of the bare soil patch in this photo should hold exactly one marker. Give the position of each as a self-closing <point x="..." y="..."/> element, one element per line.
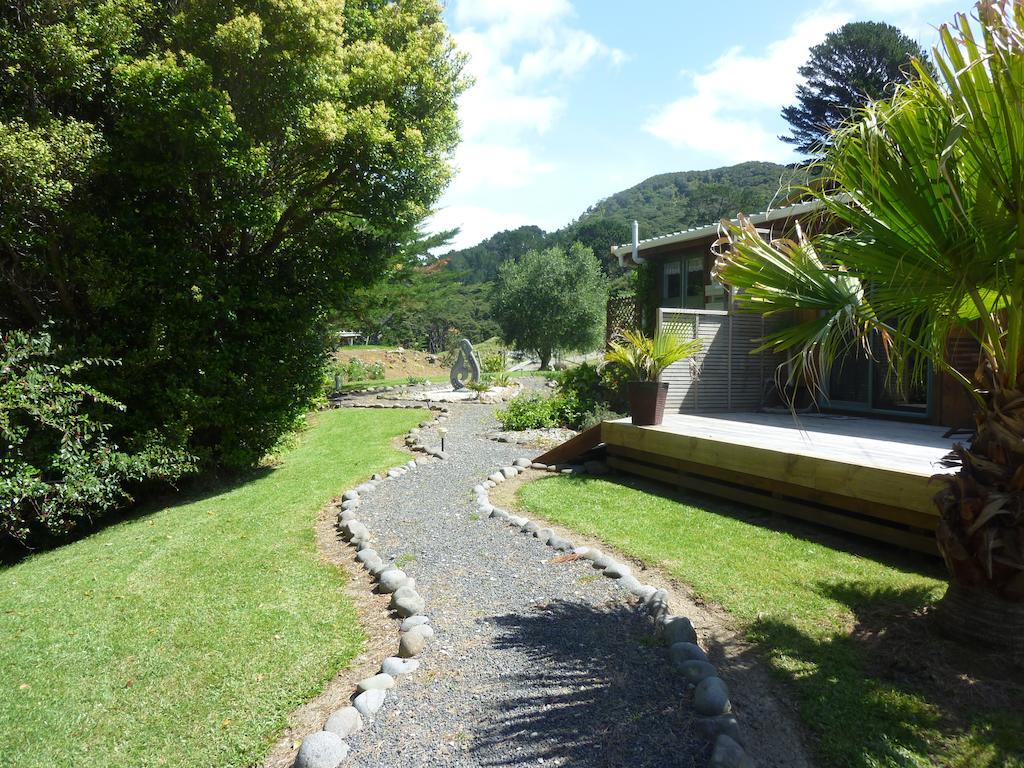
<point x="398" y="362"/>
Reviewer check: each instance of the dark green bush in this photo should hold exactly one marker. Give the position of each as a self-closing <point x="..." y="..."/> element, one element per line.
<point x="529" y="411"/>
<point x="59" y="468"/>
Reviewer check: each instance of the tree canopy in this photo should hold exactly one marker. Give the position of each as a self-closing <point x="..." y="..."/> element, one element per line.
<point x="189" y="187"/>
<point x="860" y="62"/>
<point x="552" y="301"/>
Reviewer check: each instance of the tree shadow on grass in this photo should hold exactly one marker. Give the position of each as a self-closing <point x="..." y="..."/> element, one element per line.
<point x="893" y="686"/>
<point x="153" y="498"/>
<point x="886" y="554"/>
<point x="597" y="692"/>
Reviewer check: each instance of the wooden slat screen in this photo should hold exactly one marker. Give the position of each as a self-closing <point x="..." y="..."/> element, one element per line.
<point x="724" y="375"/>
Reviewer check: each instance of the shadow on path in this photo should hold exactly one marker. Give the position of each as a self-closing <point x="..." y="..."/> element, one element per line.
<point x="599" y="693"/>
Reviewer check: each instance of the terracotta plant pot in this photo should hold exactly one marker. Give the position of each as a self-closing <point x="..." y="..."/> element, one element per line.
<point x="647" y="402"/>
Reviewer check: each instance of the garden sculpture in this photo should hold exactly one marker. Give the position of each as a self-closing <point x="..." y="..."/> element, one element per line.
<point x="466" y="366"/>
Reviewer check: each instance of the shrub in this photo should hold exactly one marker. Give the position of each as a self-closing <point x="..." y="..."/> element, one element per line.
<point x="60" y="469"/>
<point x="494" y="362"/>
<point x="529" y="412"/>
<point x="501" y="379"/>
<point x="190" y="187"/>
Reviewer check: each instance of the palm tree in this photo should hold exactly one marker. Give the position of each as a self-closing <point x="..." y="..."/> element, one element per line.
<point x="925" y="198"/>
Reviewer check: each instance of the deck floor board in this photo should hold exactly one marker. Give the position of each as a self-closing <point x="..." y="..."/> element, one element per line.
<point x="891" y="445"/>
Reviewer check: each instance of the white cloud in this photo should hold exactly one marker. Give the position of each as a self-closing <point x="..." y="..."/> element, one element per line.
<point x="722" y="116"/>
<point x="480" y="164"/>
<point x="475" y="223"/>
<point x="520" y="54"/>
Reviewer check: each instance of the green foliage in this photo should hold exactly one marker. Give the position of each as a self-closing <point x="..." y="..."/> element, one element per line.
<point x="665" y="203"/>
<point x="528" y="411"/>
<point x="60" y="470"/>
<point x="501" y="379"/>
<point x="494" y="362"/>
<point x="552" y="301"/>
<point x="479" y="264"/>
<point x="420" y="305"/>
<point x="189" y="187"/>
<point x="860" y="62"/>
<point x="644" y="358"/>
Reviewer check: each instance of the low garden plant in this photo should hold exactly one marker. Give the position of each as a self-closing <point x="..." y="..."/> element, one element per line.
<point x="585" y="395"/>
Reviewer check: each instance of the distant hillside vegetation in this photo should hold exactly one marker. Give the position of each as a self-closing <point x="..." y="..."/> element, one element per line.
<point x="664" y="203"/>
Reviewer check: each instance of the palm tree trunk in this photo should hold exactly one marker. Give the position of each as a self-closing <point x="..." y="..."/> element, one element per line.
<point x="981" y="529"/>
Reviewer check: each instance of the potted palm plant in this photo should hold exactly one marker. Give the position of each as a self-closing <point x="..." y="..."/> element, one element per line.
<point x="926" y="194"/>
<point x="644" y="359"/>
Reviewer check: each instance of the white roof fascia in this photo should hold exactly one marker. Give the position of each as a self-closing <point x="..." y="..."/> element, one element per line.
<point x="675" y="238"/>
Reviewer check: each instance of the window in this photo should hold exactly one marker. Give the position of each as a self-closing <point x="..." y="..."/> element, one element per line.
<point x="672" y="284"/>
<point x="694" y="283"/>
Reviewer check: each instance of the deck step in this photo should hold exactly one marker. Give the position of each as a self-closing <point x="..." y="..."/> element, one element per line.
<point x="572" y="448"/>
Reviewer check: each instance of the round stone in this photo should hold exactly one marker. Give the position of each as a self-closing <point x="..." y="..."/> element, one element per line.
<point x="628" y="583"/>
<point x="344" y="722"/>
<point x="680" y="652"/>
<point x="710" y="728"/>
<point x="645" y="592"/>
<point x="379" y="682"/>
<point x="414" y="621"/>
<point x="496" y="478"/>
<point x="695" y="670"/>
<point x="366" y="554"/>
<point x="353" y="530"/>
<point x="509" y="472"/>
<point x="391" y="579"/>
<point x="322" y="749"/>
<point x="560" y="544"/>
<point x="374" y="565"/>
<point x="530" y="526"/>
<point x="517" y="521"/>
<point x="617" y="570"/>
<point x="712" y="697"/>
<point x="369" y="702"/>
<point x="544" y="534"/>
<point x="395" y="666"/>
<point x="409" y="605"/>
<point x="678" y="629"/>
<point x="412" y="642"/>
<point x="522" y="462"/>
<point x="603" y="561"/>
<point x="538" y="465"/>
<point x="729" y="754"/>
<point x="350" y="495"/>
<point x="346" y="515"/>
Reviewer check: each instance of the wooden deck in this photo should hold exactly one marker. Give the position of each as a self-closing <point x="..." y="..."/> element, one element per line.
<point x="867" y="476"/>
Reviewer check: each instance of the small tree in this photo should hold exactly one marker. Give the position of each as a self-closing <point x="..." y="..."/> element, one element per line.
<point x="552" y="301"/>
<point x="860" y="62"/>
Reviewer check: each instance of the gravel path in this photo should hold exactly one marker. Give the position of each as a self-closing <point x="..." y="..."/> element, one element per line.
<point x="533" y="662"/>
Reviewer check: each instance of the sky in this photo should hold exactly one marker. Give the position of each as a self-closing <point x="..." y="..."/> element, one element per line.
<point x="574" y="100"/>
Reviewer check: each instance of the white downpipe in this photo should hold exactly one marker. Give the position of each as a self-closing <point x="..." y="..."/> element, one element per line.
<point x="637" y="258"/>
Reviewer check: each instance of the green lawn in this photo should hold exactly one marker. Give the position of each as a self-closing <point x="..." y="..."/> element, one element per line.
<point x="185" y="637"/>
<point x="824" y="618"/>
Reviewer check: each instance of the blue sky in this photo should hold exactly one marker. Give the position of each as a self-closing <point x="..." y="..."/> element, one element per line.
<point x="576" y="99"/>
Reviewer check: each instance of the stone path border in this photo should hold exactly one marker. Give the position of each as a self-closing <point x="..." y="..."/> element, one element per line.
<point x="710" y="693"/>
<point x="328" y="748"/>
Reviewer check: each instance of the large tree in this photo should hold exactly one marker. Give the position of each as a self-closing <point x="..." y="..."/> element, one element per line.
<point x="552" y="301"/>
<point x="927" y="245"/>
<point x="860" y="62"/>
<point x="187" y="187"/>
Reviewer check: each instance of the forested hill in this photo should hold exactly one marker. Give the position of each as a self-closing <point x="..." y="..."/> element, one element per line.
<point x="664" y="203"/>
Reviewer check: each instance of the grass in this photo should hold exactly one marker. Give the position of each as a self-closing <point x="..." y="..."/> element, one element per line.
<point x="186" y="636"/>
<point x="810" y="608"/>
